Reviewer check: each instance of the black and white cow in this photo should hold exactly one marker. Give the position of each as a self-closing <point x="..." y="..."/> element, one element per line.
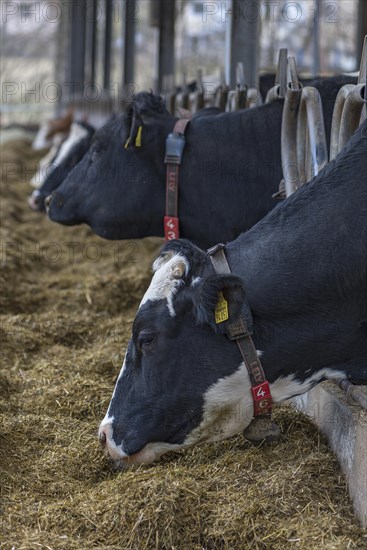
<point x="69" y="153"/>
<point x="302" y="270"/>
<point x="45" y="165"/>
<point x="231" y="167"/>
<point x="49" y="129"/>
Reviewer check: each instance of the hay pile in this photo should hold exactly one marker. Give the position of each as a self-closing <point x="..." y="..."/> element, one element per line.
<point x="64" y="327"/>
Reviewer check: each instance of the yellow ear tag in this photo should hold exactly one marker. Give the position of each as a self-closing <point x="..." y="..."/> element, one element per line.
<point x="221" y="310"/>
<point x="138" y="137"/>
<point x="127" y="143"/>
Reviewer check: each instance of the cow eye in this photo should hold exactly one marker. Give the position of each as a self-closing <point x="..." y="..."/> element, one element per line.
<point x="145" y="339"/>
<point x="97" y="146"/>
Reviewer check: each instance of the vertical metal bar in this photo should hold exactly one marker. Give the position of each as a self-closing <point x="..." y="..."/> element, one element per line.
<point x="363" y="66"/>
<point x="281" y="76"/>
<point x="62" y="57"/>
<point x="312" y="153"/>
<point x="166" y="50"/>
<point x="316" y="38"/>
<point x="243" y="41"/>
<point x="77" y="47"/>
<point x="107" y="46"/>
<point x="94" y="44"/>
<point x="361" y="30"/>
<point x="289" y="130"/>
<point x="91" y="42"/>
<point x="129" y="50"/>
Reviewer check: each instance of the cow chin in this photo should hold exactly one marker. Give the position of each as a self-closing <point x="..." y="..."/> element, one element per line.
<point x="148" y="454"/>
<point x="223" y="425"/>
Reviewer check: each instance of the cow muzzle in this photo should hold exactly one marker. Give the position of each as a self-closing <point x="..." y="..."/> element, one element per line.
<point x="34" y="200"/>
<point x="105" y="434"/>
<point x="149" y="453"/>
<point x="55" y="198"/>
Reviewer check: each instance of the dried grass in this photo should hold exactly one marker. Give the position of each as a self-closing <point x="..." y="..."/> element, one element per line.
<point x="64" y="326"/>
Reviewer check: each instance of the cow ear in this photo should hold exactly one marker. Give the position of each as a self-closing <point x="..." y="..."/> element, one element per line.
<point x="136" y="130"/>
<point x="217" y="300"/>
<point x="144" y="109"/>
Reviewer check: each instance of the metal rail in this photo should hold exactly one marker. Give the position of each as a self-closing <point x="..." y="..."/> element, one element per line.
<point x="312" y="154"/>
<point x="350" y="109"/>
<point x="196" y="99"/>
<point x="220" y="96"/>
<point x="303" y="139"/>
<point x="182" y="98"/>
<point x="289" y="130"/>
<point x="236" y="99"/>
<point x="279" y="89"/>
<point x="254" y="98"/>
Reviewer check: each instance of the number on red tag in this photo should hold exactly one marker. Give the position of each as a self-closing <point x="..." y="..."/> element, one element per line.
<point x="171" y="230"/>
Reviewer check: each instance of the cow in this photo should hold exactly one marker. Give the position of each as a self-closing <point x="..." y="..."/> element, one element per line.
<point x="46" y="164"/>
<point x="69" y="154"/>
<point x="48" y="129"/>
<point x="231" y="165"/>
<point x="301" y="271"/>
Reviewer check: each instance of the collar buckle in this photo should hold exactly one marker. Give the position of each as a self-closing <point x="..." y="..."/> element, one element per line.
<point x="175" y="144"/>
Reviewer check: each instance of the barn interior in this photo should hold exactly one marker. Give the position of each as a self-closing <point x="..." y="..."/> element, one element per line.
<point x="68" y="297"/>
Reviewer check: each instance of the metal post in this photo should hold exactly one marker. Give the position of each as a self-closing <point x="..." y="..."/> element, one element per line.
<point x="316" y="38"/>
<point x="361" y="30"/>
<point x="107" y="46"/>
<point x="61" y="59"/>
<point x="76" y="65"/>
<point x="129" y="50"/>
<point x="91" y="43"/>
<point x="243" y="40"/>
<point x="166" y="50"/>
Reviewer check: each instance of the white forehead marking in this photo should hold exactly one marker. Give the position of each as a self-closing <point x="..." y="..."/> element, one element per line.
<point x="77" y="133"/>
<point x="40" y="141"/>
<point x="44" y="166"/>
<point x="163" y="284"/>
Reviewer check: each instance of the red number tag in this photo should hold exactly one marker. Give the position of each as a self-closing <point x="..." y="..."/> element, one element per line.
<point x="262" y="399"/>
<point x="171" y="228"/>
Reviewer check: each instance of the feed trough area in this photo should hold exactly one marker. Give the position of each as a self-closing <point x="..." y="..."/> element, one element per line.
<point x="67" y="302"/>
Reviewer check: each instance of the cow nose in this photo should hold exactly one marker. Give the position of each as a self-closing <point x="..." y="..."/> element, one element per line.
<point x="34" y="200"/>
<point x="105" y="433"/>
<point x="102" y="438"/>
<point x="56" y="198"/>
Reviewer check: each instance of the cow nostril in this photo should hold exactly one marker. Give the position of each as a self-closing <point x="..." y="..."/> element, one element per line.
<point x="102" y="438"/>
<point x="48" y="201"/>
<point x="33" y="200"/>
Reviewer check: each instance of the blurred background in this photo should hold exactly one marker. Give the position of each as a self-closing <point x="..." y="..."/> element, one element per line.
<point x="102" y="51"/>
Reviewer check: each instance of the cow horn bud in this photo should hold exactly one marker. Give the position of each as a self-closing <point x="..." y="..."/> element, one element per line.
<point x="179" y="270"/>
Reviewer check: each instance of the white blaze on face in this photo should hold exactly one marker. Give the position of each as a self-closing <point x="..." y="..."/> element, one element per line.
<point x="60" y="147"/>
<point x="105" y="426"/>
<point x="40" y="141"/>
<point x="77" y="133"/>
<point x="44" y="166"/>
<point x="166" y="280"/>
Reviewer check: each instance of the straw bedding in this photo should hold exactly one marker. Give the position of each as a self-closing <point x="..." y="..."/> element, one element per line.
<point x="64" y="326"/>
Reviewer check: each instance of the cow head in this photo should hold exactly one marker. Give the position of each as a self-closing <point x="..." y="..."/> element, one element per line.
<point x="182" y="381"/>
<point x="69" y="154"/>
<point x="124" y="164"/>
